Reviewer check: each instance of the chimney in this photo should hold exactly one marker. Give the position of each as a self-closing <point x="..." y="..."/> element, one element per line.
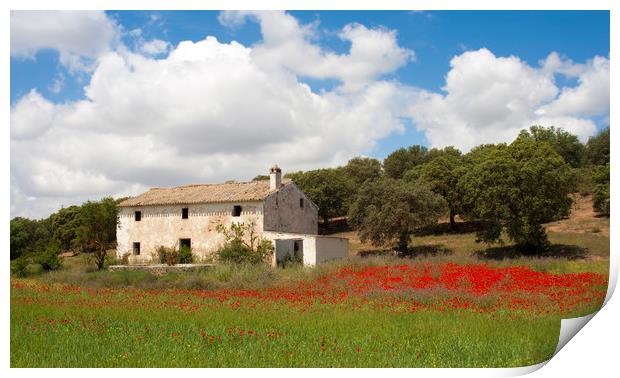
<point x="275" y="177"/>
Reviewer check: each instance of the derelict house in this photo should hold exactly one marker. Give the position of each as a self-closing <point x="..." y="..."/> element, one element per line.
<point x="188" y="216"/>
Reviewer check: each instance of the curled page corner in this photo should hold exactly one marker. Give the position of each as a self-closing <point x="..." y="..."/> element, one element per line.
<point x="569" y="328"/>
<point x="613" y="278"/>
<point x="524" y="370"/>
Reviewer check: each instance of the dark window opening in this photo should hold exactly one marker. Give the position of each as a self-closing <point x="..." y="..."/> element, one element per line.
<point x="185" y="213"/>
<point x="301" y="203"/>
<point x="138" y="216"/>
<point x="236" y="211"/>
<point x="136" y="248"/>
<point x="185" y="243"/>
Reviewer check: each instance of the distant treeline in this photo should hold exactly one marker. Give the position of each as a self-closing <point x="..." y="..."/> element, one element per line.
<point x="89" y="228"/>
<point x="333" y="190"/>
<point x="512" y="187"/>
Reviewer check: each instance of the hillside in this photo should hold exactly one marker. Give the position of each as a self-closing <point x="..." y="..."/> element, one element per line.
<point x="583" y="236"/>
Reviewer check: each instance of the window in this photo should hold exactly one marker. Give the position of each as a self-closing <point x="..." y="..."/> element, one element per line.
<point x="137" y="216"/>
<point x="185" y="213"/>
<point x="136" y="248"/>
<point x="185" y="243"/>
<point x="301" y="203"/>
<point x="236" y="211"/>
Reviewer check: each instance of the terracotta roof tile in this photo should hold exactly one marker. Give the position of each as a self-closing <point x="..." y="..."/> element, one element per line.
<point x="203" y="193"/>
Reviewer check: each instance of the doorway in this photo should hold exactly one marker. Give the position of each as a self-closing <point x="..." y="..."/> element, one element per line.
<point x="185" y="243"/>
<point x="289" y="251"/>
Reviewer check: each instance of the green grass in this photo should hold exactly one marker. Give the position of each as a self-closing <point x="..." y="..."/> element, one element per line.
<point x="134" y="337"/>
<point x="597" y="245"/>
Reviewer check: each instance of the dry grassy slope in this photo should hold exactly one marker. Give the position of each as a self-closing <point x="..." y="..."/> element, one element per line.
<point x="582" y="229"/>
<point x="582" y="220"/>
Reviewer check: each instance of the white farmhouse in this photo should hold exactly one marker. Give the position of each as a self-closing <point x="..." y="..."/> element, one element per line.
<point x="188" y="215"/>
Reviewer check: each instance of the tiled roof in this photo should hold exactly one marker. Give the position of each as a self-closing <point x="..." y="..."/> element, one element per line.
<point x="203" y="193"/>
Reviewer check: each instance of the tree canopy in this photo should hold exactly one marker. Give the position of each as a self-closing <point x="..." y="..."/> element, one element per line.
<point x="388" y="211"/>
<point x="65" y="224"/>
<point x="28" y="236"/>
<point x="97" y="232"/>
<point x="517" y="187"/>
<point x="360" y="169"/>
<point x="564" y="143"/>
<point x="400" y="161"/>
<point x="327" y="188"/>
<point x="597" y="148"/>
<point x="442" y="172"/>
<point x="600" y="195"/>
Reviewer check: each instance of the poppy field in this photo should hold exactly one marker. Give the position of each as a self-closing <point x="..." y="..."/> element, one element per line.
<point x="406" y="314"/>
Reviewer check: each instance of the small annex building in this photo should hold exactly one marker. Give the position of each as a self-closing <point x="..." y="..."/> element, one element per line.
<point x="188" y="216"/>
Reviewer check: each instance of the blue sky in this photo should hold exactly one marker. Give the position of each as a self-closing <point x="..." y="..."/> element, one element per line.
<point x="435" y="36"/>
<point x="415" y="54"/>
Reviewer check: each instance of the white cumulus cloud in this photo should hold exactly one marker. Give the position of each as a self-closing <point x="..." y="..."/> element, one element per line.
<point x="79" y="36"/>
<point x="31" y="116"/>
<point x="287" y="44"/>
<point x="207" y="111"/>
<point x="488" y="99"/>
<point x="590" y="97"/>
<point x="155" y="47"/>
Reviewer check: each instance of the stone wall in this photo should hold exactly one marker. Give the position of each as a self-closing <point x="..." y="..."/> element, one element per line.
<point x="284" y="213"/>
<point x="164" y="226"/>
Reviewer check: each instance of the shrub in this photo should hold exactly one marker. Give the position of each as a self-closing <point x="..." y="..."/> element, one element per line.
<point x="583" y="180"/>
<point x="600" y="195"/>
<point x="48" y="259"/>
<point x="264" y="250"/>
<point x="242" y="245"/>
<point x="185" y="255"/>
<point x="34" y="269"/>
<point x="235" y="252"/>
<point x="115" y="260"/>
<point x="167" y="255"/>
<point x="172" y="258"/>
<point x="19" y="266"/>
<point x="292" y="259"/>
<point x="161" y="254"/>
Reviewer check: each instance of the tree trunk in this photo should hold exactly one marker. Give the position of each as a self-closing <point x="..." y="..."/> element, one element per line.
<point x="452" y="222"/>
<point x="100" y="258"/>
<point x="326" y="222"/>
<point x="403" y="243"/>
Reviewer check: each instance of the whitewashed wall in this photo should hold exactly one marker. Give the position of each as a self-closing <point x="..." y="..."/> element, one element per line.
<point x="316" y="248"/>
<point x="163" y="225"/>
<point x="331" y="248"/>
